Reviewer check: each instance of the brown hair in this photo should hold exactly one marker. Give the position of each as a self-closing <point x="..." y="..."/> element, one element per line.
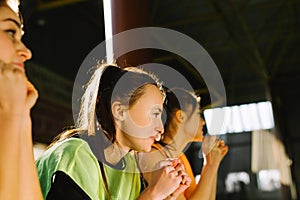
<point x="123" y="85"/>
<point x="179" y="99"/>
<point x="6" y="3"/>
<point x="109" y="83"/>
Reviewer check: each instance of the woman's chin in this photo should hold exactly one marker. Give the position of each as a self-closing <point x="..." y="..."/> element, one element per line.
<point x="147" y="150"/>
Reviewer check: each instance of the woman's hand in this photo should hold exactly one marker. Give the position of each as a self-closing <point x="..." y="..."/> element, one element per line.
<point x="171" y="177"/>
<point x="32" y="95"/>
<point x="13" y="89"/>
<point x="16" y="92"/>
<point x="185" y="183"/>
<point x="218" y="152"/>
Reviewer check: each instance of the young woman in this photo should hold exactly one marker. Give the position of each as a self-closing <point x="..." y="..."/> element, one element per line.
<point x="184" y="125"/>
<point x="18" y="177"/>
<point x="120" y="115"/>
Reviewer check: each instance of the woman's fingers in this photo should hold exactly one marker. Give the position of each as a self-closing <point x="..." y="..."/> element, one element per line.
<point x="167" y="162"/>
<point x="225" y="149"/>
<point x="17" y="94"/>
<point x="173" y="175"/>
<point x="32" y="95"/>
<point x="184" y="184"/>
<point x="185" y="179"/>
<point x="13" y="89"/>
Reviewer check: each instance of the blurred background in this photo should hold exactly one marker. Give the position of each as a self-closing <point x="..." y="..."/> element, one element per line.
<point x="253" y="43"/>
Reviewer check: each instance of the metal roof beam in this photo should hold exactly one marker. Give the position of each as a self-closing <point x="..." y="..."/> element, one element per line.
<point x="42" y="6"/>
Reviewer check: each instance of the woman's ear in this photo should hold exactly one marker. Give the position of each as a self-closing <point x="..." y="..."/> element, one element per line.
<point x="180" y="116"/>
<point x="118" y="111"/>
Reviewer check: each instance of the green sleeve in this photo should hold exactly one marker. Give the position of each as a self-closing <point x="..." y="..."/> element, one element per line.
<point x="73" y="157"/>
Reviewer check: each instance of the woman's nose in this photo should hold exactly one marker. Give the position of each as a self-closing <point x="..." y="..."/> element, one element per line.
<point x="202" y="121"/>
<point x="161" y="131"/>
<point x="160" y="127"/>
<point x="24" y="52"/>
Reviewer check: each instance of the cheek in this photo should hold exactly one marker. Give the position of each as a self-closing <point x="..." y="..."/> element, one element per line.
<point x="140" y="117"/>
<point x="7" y="50"/>
<point x="133" y="128"/>
<point x="193" y="125"/>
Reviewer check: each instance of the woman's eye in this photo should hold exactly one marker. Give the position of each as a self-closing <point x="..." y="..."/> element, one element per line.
<point x="156" y="114"/>
<point x="11" y="32"/>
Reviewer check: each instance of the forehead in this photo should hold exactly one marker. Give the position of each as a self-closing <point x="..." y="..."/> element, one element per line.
<point x="151" y="96"/>
<point x="6" y="13"/>
<point x="152" y="91"/>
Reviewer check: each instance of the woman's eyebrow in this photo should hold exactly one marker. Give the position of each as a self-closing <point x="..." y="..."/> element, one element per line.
<point x="13" y="20"/>
<point x="158" y="109"/>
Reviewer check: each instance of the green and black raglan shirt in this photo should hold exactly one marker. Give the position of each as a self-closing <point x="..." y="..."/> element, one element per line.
<point x="70" y="170"/>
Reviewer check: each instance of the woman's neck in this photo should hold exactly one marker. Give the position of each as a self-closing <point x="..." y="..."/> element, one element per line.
<point x="175" y="140"/>
<point x="114" y="153"/>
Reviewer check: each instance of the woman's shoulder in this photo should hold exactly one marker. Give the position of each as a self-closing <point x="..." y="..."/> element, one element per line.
<point x="67" y="146"/>
<point x="74" y="158"/>
<point x="70" y="144"/>
<point x="68" y="150"/>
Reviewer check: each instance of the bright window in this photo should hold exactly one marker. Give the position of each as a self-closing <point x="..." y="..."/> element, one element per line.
<point x="242" y="118"/>
<point x="268" y="180"/>
<point x="235" y="181"/>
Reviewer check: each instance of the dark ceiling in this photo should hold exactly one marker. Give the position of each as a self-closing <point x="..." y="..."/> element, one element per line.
<point x="61" y="33"/>
<point x="254" y="43"/>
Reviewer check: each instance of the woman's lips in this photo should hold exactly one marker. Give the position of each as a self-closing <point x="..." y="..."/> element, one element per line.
<point x="153" y="138"/>
<point x="156" y="137"/>
<point x="19" y="64"/>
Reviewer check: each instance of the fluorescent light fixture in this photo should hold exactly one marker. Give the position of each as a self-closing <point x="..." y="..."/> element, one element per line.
<point x="215" y="120"/>
<point x="108" y="31"/>
<point x="266" y="115"/>
<point x="242" y="118"/>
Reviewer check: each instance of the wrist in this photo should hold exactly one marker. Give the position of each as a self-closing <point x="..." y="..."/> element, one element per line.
<point x="212" y="162"/>
<point x="211" y="167"/>
<point x="150" y="193"/>
<point x="170" y="197"/>
<point x="11" y="119"/>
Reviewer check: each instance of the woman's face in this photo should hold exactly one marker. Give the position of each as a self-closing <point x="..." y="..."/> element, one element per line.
<point x="143" y="122"/>
<point x="194" y="125"/>
<point x="12" y="50"/>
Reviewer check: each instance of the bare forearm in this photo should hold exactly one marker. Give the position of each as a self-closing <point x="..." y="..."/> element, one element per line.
<point x="214" y="188"/>
<point x="205" y="186"/>
<point x="149" y="194"/>
<point x="9" y="156"/>
<point x="28" y="175"/>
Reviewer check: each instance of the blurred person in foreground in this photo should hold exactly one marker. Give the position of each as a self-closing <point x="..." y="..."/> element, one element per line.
<point x="18" y="176"/>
